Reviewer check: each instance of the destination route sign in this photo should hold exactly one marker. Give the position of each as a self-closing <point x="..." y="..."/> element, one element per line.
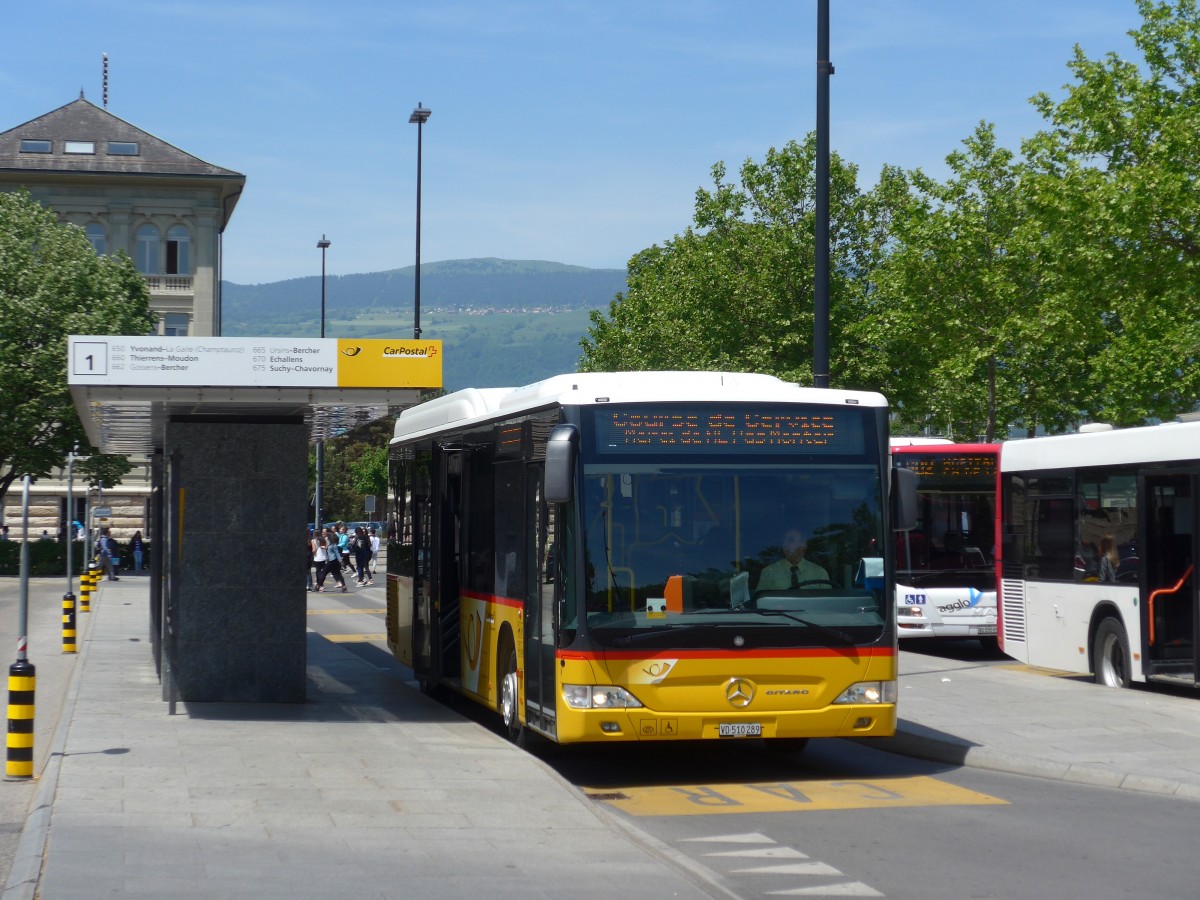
<point x="253" y="362"/>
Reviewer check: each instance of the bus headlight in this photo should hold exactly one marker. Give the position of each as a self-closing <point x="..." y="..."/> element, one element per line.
<point x="598" y="696"/>
<point x="869" y="692"/>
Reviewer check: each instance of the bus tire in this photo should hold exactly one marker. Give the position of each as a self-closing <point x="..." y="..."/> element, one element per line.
<point x="1110" y="654"/>
<point x="510" y="696"/>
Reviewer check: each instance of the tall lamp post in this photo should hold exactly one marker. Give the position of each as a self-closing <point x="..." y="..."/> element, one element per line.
<point x="821" y="267"/>
<point x="318" y="494"/>
<point x="418" y="117"/>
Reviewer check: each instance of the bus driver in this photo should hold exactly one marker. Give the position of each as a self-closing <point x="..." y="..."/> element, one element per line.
<point x="793" y="570"/>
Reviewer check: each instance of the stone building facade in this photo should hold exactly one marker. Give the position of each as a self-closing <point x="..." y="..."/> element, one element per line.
<point x="128" y="190"/>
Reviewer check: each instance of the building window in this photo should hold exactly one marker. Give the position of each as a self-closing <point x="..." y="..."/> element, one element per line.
<point x="145" y="255"/>
<point x="179" y="257"/>
<point x="35" y="146"/>
<point x="79" y="147"/>
<point x="175" y="325"/>
<point x="122" y="148"/>
<point x="95" y="235"/>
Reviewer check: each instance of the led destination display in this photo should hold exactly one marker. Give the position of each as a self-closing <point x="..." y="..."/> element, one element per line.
<point x="713" y="430"/>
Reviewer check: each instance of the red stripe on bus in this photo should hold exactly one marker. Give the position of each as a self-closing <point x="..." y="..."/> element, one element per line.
<point x="494" y="598"/>
<point x="764" y="653"/>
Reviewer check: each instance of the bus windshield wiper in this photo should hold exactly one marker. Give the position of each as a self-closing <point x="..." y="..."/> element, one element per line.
<point x="834" y="633"/>
<point x="637" y="637"/>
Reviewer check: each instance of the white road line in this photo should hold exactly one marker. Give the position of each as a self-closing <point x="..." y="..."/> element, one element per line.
<point x="764" y="853"/>
<point x="849" y="889"/>
<point x="808" y="868"/>
<point x="750" y="838"/>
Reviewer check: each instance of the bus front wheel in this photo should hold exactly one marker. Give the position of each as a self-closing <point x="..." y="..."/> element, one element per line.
<point x="1110" y="655"/>
<point x="509" y="698"/>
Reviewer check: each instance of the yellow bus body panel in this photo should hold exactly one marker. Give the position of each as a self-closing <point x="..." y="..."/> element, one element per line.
<point x="482" y="620"/>
<point x="688" y="697"/>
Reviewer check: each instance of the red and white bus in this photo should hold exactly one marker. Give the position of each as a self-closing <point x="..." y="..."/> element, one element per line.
<point x="1098" y="548"/>
<point x="945" y="567"/>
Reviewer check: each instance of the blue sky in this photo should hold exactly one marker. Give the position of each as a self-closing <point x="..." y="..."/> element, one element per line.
<point x="566" y="130"/>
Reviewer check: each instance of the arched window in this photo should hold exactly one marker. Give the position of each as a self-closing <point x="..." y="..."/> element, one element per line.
<point x="145" y="255"/>
<point x="179" y="257"/>
<point x="95" y="235"/>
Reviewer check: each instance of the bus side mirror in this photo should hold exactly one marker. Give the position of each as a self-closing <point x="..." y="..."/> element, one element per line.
<point x="904" y="499"/>
<point x="561" y="447"/>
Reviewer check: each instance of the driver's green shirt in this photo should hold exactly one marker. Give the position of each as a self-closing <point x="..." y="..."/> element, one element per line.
<point x="778" y="575"/>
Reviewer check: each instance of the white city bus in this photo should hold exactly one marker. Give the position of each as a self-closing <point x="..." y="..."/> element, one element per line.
<point x="946" y="566"/>
<point x="1098" y="544"/>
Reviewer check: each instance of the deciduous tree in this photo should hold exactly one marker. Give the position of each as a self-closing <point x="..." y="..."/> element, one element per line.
<point x="52" y="284"/>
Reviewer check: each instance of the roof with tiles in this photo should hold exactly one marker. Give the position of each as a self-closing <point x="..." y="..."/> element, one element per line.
<point x="81" y="124"/>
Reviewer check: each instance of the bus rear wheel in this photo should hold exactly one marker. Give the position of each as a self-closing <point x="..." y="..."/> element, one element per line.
<point x="1110" y="655"/>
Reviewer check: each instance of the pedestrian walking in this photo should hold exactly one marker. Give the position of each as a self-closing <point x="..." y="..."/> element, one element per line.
<point x="362" y="555"/>
<point x="327" y="546"/>
<point x="374" y="554"/>
<point x="343" y="539"/>
<point x="104" y="549"/>
<point x="309" y="552"/>
<point x="137" y="548"/>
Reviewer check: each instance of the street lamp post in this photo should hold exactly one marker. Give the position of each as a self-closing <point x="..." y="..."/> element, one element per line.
<point x="318" y="494"/>
<point x="418" y="117"/>
<point x="821" y="230"/>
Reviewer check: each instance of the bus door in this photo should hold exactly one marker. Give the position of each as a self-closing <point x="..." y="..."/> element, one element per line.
<point x="448" y="564"/>
<point x="1166" y="556"/>
<point x="543" y="581"/>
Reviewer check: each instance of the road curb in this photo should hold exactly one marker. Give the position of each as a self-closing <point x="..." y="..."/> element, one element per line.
<point x="919" y="742"/>
<point x="26" y="871"/>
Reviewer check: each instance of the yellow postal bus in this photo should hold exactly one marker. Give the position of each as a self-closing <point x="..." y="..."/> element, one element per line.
<point x="650" y="556"/>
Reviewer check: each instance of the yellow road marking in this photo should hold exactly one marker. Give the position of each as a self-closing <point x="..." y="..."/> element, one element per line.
<point x="338" y="612"/>
<point x="794" y="796"/>
<point x="353" y="638"/>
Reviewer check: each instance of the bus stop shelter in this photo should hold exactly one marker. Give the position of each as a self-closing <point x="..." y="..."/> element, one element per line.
<point x="227" y="423"/>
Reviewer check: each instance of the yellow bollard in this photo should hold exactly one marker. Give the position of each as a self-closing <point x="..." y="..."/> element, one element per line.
<point x="68" y="623"/>
<point x="22" y="684"/>
<point x="85" y="589"/>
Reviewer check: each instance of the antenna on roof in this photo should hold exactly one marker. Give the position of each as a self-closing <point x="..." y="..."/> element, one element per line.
<point x="105" y="80"/>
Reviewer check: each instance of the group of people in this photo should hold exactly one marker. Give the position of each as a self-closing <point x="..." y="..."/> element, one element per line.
<point x="332" y="551"/>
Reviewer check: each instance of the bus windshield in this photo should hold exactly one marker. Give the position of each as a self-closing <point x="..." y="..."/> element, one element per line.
<point x="786" y="553"/>
<point x="953" y="544"/>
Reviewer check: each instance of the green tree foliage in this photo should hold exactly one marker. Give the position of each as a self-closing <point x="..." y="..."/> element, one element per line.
<point x="1119" y="194"/>
<point x="964" y="320"/>
<point x="52" y="284"/>
<point x="355" y="468"/>
<point x="1030" y="291"/>
<point x="735" y="291"/>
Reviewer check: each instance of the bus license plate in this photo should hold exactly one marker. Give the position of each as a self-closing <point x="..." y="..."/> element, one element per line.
<point x="739" y="729"/>
<point x="987" y="629"/>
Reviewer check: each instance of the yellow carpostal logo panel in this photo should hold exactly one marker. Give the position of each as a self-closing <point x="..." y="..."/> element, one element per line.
<point x="389" y="364"/>
<point x="792" y="796"/>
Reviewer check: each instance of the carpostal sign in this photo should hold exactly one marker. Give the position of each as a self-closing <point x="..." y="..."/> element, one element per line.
<point x="254" y="362"/>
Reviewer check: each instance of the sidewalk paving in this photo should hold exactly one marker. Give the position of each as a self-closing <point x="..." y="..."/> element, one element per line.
<point x="373" y="790"/>
<point x="1011" y="718"/>
<point x="366" y="791"/>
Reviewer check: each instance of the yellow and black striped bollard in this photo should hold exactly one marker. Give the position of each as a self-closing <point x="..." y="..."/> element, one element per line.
<point x="68" y="625"/>
<point x="22" y="682"/>
<point x="85" y="589"/>
<point x="85" y="599"/>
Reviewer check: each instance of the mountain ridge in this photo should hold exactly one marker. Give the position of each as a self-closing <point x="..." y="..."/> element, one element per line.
<point x="504" y="322"/>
